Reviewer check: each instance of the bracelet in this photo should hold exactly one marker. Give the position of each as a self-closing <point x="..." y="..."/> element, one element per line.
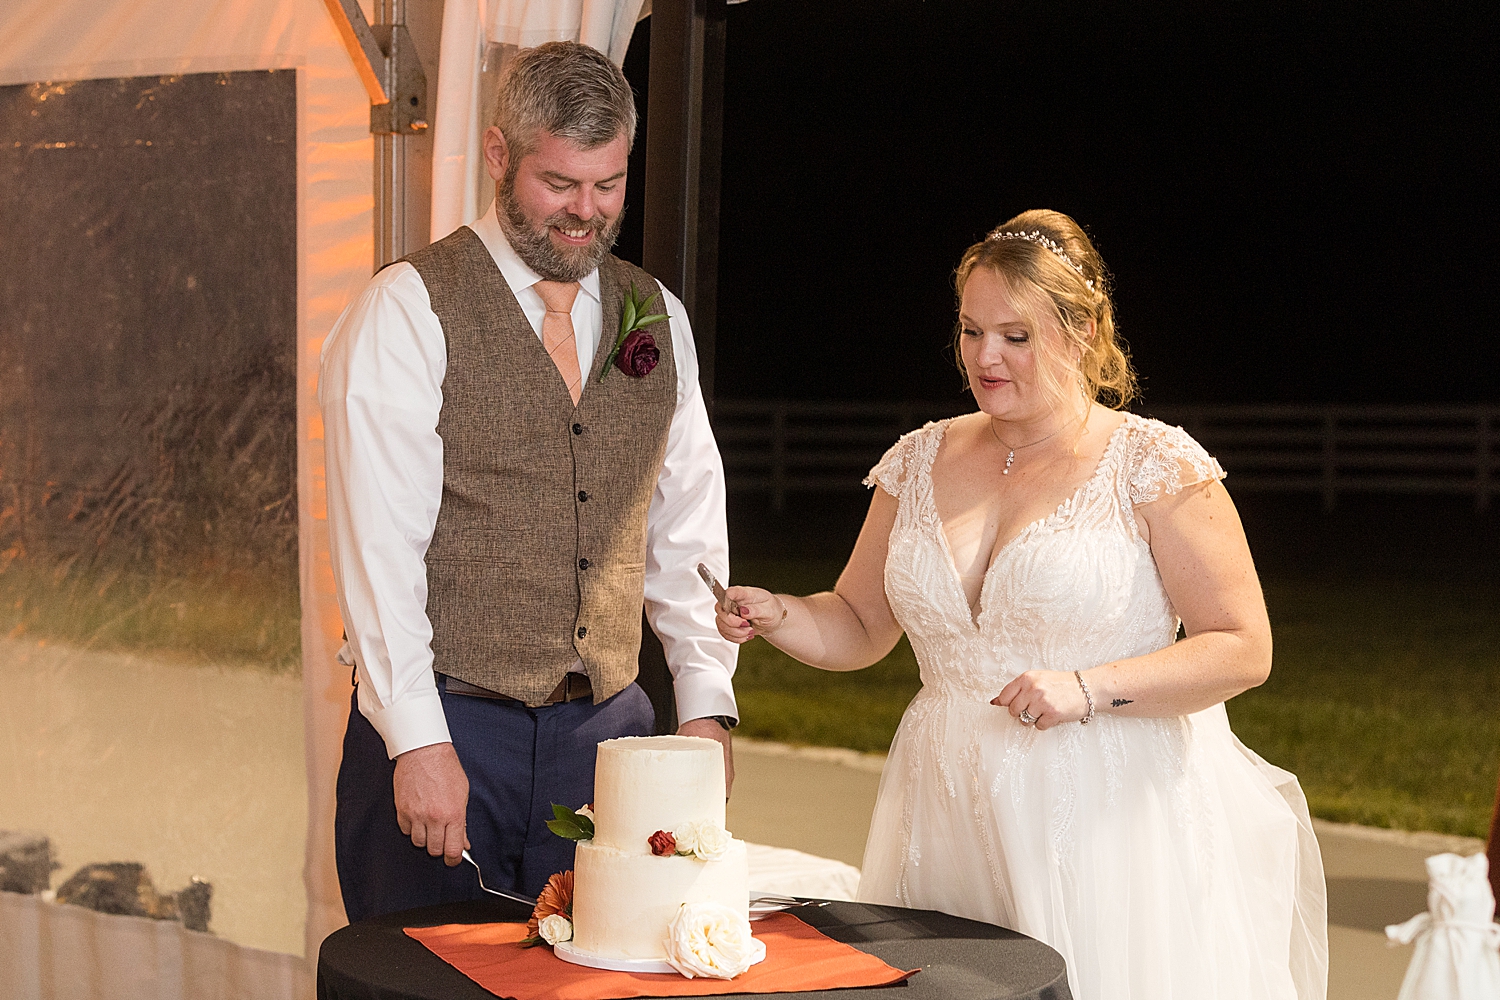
<point x="768" y="631"/>
<point x="1088" y="716"/>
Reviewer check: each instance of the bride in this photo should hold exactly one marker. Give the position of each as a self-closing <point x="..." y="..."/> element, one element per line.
<point x="1067" y="769"/>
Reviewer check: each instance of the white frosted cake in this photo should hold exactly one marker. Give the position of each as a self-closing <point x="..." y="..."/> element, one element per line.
<point x="625" y="896"/>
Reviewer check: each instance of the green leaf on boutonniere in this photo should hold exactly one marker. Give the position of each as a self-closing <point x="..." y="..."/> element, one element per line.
<point x="570" y="824"/>
<point x="632" y="318"/>
<point x="627" y="316"/>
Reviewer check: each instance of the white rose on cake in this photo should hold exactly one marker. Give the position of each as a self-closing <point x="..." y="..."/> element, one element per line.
<point x="713" y="842"/>
<point x="706" y="840"/>
<point x="555" y="929"/>
<point x="686" y="836"/>
<point x="712" y="941"/>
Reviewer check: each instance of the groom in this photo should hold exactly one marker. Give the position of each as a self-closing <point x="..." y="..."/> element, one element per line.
<point x="502" y="501"/>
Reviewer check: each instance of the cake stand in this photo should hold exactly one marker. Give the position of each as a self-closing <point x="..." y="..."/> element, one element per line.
<point x="565" y="951"/>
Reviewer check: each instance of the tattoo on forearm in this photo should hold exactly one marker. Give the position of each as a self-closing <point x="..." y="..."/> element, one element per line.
<point x="1121" y="701"/>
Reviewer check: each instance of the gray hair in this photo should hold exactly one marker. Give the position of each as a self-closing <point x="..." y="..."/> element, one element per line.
<point x="567" y="89"/>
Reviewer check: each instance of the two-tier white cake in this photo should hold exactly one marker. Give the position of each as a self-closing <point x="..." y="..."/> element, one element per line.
<point x="625" y="896"/>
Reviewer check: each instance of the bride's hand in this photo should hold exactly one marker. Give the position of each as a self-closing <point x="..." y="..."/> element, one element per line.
<point x="754" y="612"/>
<point x="1050" y="697"/>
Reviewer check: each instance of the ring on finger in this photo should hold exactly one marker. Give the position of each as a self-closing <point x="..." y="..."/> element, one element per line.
<point x="1027" y="719"/>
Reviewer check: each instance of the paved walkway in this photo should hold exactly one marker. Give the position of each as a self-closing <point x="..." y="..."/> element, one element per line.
<point x="819" y="801"/>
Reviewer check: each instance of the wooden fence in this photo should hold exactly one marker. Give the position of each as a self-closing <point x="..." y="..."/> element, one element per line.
<point x="781" y="447"/>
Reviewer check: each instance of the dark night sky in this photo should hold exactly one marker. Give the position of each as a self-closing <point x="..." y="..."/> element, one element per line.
<point x="1297" y="204"/>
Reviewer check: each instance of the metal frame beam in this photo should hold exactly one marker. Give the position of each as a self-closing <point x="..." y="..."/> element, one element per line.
<point x="684" y="129"/>
<point x="386" y="57"/>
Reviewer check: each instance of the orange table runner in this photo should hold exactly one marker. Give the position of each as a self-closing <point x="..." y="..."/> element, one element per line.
<point x="798" y="957"/>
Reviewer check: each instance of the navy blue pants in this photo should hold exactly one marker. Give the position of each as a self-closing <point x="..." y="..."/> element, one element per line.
<point x="518" y="760"/>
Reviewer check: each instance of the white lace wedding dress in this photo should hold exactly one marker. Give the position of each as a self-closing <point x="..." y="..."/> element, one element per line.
<point x="1161" y="857"/>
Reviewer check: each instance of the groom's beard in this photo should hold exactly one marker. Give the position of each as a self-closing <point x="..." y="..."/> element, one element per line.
<point x="533" y="242"/>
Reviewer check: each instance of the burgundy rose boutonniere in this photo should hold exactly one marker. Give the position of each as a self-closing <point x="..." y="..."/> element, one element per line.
<point x="635" y="352"/>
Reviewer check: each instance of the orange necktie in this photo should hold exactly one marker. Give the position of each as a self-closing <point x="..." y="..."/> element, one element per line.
<point x="557" y="332"/>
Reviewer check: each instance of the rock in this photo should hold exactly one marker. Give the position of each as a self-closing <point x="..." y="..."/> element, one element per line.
<point x="122" y="888"/>
<point x="125" y="888"/>
<point x="25" y="862"/>
<point x="193" y="905"/>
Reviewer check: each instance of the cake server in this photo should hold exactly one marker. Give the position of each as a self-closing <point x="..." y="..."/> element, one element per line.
<point x="516" y="897"/>
<point x="785" y="902"/>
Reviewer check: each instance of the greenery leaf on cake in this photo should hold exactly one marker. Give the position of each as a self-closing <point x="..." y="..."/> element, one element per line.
<point x="570" y="824"/>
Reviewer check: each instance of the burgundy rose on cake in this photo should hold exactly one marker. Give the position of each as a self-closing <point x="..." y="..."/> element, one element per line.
<point x="552" y="920"/>
<point x="663" y="844"/>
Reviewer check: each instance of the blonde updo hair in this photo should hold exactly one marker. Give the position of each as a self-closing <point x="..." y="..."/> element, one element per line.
<point x="1065" y="302"/>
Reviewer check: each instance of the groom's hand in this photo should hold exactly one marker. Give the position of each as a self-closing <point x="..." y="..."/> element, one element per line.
<point x="432" y="800"/>
<point x="710" y="729"/>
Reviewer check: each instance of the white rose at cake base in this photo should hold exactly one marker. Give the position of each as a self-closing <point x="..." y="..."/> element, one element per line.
<point x="555" y="929"/>
<point x="711" y="941"/>
<point x="655" y="873"/>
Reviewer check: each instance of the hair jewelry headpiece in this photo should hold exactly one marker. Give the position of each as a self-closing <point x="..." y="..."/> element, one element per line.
<point x="1042" y="240"/>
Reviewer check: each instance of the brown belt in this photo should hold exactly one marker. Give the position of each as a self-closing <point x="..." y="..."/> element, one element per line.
<point x="573" y="687"/>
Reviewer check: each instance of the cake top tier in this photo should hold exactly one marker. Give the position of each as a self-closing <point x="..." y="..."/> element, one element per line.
<point x="647" y="783"/>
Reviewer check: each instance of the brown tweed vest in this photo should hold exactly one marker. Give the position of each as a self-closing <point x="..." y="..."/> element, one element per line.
<point x="538" y="556"/>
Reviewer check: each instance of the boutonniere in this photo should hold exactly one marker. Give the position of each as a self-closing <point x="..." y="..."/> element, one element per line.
<point x="634" y="352"/>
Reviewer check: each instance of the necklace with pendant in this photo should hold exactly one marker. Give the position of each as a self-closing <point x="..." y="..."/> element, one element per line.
<point x="1011" y="457"/>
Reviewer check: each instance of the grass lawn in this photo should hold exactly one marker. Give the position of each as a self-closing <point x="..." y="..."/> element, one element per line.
<point x="1384" y="698"/>
<point x="199" y="614"/>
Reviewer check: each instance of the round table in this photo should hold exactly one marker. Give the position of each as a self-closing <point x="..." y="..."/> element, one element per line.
<point x="374" y="960"/>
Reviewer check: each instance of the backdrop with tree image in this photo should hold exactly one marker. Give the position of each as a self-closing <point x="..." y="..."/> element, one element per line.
<point x="148" y="367"/>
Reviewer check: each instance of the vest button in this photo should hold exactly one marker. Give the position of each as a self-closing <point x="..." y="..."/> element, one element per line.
<point x="577" y="428"/>
<point x="583" y="496"/>
<point x="582" y="631"/>
<point x="583" y="564"/>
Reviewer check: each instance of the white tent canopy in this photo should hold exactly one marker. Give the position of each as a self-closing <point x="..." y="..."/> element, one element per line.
<point x="72" y="40"/>
<point x="62" y="951"/>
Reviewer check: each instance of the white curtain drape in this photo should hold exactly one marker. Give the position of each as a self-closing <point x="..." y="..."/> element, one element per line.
<point x="478" y="36"/>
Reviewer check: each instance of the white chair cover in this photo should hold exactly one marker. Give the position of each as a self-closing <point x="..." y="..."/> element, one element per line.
<point x="1458" y="942"/>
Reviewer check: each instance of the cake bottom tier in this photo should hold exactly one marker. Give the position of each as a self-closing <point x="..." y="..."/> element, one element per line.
<point x="623" y="903"/>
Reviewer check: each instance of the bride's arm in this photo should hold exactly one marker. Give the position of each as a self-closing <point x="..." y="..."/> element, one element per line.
<point x="846" y="629"/>
<point x="1200" y="550"/>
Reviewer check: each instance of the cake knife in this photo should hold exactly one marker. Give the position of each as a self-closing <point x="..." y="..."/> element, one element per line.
<point x="713" y="584"/>
<point x="514" y="897"/>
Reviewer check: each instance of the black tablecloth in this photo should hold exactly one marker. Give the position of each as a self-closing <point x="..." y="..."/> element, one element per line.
<point x="959" y="959"/>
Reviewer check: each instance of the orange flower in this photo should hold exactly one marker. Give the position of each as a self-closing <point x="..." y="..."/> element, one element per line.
<point x="556" y="897"/>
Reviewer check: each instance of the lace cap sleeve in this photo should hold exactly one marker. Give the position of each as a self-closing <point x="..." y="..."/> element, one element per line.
<point x="897" y="464"/>
<point x="890" y="472"/>
<point x="1165" y="460"/>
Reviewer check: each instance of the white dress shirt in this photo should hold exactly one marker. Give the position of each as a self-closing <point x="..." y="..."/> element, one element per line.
<point x="381" y="389"/>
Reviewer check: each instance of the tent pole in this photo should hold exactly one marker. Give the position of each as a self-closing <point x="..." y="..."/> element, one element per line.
<point x="684" y="126"/>
<point x="684" y="129"/>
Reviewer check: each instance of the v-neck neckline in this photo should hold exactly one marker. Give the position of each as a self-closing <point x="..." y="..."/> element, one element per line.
<point x="977" y="611"/>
